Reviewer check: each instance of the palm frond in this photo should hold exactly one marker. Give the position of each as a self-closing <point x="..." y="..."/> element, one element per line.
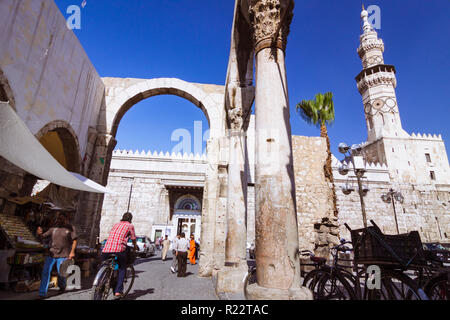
<point x="308" y="112"/>
<point x="319" y="111"/>
<point x="327" y="111"/>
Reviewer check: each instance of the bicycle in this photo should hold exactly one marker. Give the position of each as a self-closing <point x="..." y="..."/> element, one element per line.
<point x="250" y="278"/>
<point x="106" y="278"/>
<point x="434" y="278"/>
<point x="322" y="275"/>
<point x="329" y="282"/>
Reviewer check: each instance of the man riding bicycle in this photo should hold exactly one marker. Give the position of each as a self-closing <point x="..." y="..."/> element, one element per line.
<point x="117" y="245"/>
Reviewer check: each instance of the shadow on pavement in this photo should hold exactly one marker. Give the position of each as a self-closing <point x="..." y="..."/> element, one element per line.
<point x="144" y="260"/>
<point x="139" y="293"/>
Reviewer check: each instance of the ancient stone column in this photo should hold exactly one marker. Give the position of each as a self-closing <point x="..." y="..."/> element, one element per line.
<point x="277" y="259"/>
<point x="235" y="252"/>
<point x="229" y="278"/>
<point x="210" y="199"/>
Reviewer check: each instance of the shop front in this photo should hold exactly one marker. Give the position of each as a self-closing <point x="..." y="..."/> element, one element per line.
<point x="46" y="161"/>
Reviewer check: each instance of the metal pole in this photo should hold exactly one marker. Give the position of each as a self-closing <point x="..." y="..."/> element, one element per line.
<point x="129" y="198"/>
<point x="439" y="227"/>
<point x="361" y="198"/>
<point x="395" y="213"/>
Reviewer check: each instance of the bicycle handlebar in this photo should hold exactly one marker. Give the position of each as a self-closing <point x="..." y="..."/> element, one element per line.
<point x="307" y="253"/>
<point x="341" y="247"/>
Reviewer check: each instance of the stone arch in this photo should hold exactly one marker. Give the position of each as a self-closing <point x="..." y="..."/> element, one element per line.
<point x="208" y="98"/>
<point x="122" y="94"/>
<point x="69" y="139"/>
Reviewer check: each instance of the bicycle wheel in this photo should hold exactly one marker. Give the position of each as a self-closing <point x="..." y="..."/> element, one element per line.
<point x="334" y="286"/>
<point x="311" y="281"/>
<point x="100" y="290"/>
<point x="439" y="288"/>
<point x="128" y="280"/>
<point x="395" y="285"/>
<point x="328" y="284"/>
<point x="249" y="279"/>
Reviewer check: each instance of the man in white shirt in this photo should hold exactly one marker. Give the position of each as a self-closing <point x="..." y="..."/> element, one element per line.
<point x="174" y="267"/>
<point x="182" y="248"/>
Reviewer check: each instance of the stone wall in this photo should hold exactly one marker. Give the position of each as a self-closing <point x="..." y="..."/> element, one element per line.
<point x="47" y="69"/>
<point x="48" y="79"/>
<point x="149" y="174"/>
<point x="313" y="193"/>
<point x="144" y="203"/>
<point x="425" y="207"/>
<point x="424" y="210"/>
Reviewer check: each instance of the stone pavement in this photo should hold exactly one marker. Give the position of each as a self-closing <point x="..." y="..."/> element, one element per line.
<point x="154" y="281"/>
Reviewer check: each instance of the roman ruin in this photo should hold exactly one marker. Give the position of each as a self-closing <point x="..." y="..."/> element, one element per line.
<point x="256" y="184"/>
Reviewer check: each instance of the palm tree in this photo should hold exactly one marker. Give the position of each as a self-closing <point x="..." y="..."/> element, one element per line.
<point x="320" y="112"/>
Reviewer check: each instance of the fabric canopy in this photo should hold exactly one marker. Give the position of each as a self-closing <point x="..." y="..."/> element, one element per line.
<point x="19" y="146"/>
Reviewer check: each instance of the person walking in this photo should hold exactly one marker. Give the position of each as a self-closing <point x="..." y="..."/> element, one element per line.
<point x="174" y="267"/>
<point x="192" y="250"/>
<point x="157" y="243"/>
<point x="197" y="250"/>
<point x="62" y="247"/>
<point x="182" y="248"/>
<point x="166" y="245"/>
<point x="116" y="244"/>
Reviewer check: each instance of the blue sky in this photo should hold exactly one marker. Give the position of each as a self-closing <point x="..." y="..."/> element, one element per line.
<point x="190" y="40"/>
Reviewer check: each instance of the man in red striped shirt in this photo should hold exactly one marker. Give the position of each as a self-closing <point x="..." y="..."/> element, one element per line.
<point x="117" y="244"/>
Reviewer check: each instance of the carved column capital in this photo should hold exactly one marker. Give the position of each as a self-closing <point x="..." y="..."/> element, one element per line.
<point x="271" y="21"/>
<point x="238" y="105"/>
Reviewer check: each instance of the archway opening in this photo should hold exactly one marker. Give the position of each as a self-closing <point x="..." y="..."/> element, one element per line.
<point x="160" y="156"/>
<point x="62" y="144"/>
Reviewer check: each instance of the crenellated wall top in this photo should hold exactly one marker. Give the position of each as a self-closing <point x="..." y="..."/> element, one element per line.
<point x="158" y="155"/>
<point x="426" y="137"/>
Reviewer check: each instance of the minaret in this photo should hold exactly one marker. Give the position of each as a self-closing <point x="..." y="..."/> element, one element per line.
<point x="376" y="84"/>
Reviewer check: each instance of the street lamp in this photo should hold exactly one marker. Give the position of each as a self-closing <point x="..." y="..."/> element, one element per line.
<point x="353" y="155"/>
<point x="391" y="197"/>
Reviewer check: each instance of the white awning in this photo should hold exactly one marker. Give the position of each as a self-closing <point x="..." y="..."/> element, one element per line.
<point x="20" y="147"/>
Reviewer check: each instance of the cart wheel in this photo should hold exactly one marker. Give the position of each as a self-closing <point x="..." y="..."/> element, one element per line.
<point x="439" y="288"/>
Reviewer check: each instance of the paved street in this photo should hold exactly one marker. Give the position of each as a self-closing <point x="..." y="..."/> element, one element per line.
<point x="154" y="281"/>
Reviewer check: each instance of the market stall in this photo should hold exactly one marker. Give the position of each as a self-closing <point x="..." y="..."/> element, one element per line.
<point x="22" y="254"/>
